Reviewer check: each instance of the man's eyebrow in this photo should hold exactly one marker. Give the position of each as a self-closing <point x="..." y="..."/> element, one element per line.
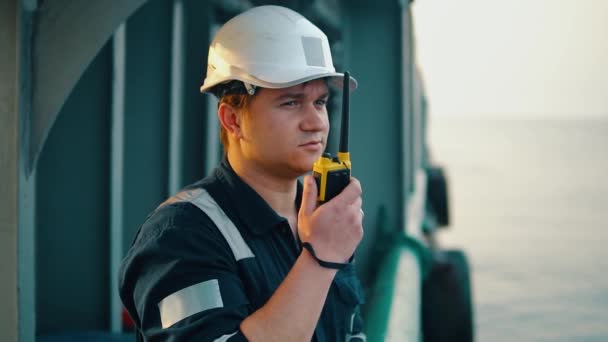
<point x="290" y="96"/>
<point x="298" y="96"/>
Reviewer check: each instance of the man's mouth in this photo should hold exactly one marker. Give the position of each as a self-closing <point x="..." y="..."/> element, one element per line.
<point x="312" y="143"/>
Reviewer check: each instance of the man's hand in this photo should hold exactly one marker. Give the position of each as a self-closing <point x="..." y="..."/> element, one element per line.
<point x="335" y="228"/>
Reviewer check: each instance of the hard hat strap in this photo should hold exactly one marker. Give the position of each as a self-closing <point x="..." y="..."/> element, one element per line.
<point x="250" y="88"/>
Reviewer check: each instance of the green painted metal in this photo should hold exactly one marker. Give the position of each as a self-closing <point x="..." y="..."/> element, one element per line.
<point x="26" y="207"/>
<point x="26" y="251"/>
<point x="68" y="35"/>
<point x="376" y="116"/>
<point x="383" y="108"/>
<point x="75" y="165"/>
<point x="146" y="113"/>
<point x="72" y="203"/>
<point x="197" y="37"/>
<point x="408" y="67"/>
<point x="382" y="300"/>
<point x="9" y="173"/>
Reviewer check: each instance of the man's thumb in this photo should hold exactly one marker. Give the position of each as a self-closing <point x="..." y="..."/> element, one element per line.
<point x="309" y="195"/>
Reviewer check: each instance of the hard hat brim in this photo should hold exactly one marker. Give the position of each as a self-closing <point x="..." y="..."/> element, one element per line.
<point x="335" y="79"/>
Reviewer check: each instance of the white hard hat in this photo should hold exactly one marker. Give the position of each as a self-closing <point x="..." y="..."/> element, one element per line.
<point x="269" y="47"/>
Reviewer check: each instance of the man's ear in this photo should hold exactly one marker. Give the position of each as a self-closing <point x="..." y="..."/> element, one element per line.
<point x="230" y="119"/>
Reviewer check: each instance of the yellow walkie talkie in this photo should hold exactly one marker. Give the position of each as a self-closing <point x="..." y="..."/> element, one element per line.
<point x="332" y="175"/>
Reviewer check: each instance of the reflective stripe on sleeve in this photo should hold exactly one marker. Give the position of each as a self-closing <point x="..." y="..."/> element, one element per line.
<point x="225" y="337"/>
<point x="189" y="301"/>
<point x="203" y="200"/>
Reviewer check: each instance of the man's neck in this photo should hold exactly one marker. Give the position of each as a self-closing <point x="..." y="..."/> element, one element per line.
<point x="279" y="193"/>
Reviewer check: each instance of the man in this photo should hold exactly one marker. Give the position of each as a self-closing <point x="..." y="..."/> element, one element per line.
<point x="222" y="260"/>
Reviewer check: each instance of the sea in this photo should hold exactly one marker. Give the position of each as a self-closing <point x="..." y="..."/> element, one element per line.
<point x="529" y="206"/>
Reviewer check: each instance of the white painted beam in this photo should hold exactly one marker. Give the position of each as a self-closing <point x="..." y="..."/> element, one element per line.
<point x="117" y="173"/>
<point x="177" y="99"/>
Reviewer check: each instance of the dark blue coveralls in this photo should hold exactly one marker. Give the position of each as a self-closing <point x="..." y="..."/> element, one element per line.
<point x="212" y="255"/>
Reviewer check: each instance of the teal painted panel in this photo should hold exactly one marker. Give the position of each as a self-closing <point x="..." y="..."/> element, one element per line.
<point x="146" y="112"/>
<point x="376" y="117"/>
<point x="393" y="309"/>
<point x="72" y="201"/>
<point x="197" y="39"/>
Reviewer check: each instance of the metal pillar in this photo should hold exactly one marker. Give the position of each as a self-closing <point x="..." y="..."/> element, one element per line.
<point x="9" y="171"/>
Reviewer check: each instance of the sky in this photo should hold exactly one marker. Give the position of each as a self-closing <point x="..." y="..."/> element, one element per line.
<point x="514" y="58"/>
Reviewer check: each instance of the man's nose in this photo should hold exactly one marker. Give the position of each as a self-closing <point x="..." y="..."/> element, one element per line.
<point x="315" y="118"/>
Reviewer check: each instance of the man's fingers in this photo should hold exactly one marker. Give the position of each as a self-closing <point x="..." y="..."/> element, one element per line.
<point x="358" y="202"/>
<point x="350" y="194"/>
<point x="309" y="196"/>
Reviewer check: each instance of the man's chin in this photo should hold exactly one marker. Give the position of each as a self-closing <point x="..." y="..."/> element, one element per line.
<point x="301" y="169"/>
<point x="302" y="164"/>
<point x="298" y="172"/>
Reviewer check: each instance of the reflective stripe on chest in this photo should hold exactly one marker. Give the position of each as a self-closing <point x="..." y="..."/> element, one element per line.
<point x="203" y="200"/>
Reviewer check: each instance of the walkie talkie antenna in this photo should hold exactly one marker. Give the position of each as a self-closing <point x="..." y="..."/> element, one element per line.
<point x="332" y="175"/>
<point x="343" y="148"/>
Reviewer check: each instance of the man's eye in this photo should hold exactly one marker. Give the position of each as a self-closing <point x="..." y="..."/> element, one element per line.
<point x="289" y="103"/>
<point x="321" y="102"/>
